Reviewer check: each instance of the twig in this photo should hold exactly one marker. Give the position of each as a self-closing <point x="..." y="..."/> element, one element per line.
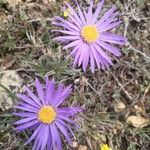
<point x="138" y="51"/>
<point x="122" y="87"/>
<point x="40" y="19"/>
<point x="93" y="88"/>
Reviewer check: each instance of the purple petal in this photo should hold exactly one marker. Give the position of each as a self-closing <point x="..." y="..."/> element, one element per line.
<point x="113" y="18"/>
<point x="37" y="144"/>
<point x="86" y="57"/>
<point x="68" y="120"/>
<point x="81" y="55"/>
<point x="69" y="38"/>
<point x="110" y="36"/>
<point x="75" y="21"/>
<point x="67" y="32"/>
<point x="26" y="109"/>
<point x="99" y="7"/>
<point x="123" y="42"/>
<point x="28" y="106"/>
<point x="44" y="136"/>
<point x="24" y="114"/>
<point x="74" y="50"/>
<point x="67" y="126"/>
<point x="65" y="93"/>
<point x="102" y="53"/>
<point x="64" y="131"/>
<point x="40" y="91"/>
<point x="106" y="23"/>
<point x="74" y="14"/>
<point x="86" y="17"/>
<point x="92" y="61"/>
<point x="35" y="133"/>
<point x="104" y="62"/>
<point x="110" y="48"/>
<point x="49" y="141"/>
<point x="27" y="125"/>
<point x="31" y="118"/>
<point x="70" y="111"/>
<point x="110" y="26"/>
<point x="59" y="90"/>
<point x="74" y="27"/>
<point x="56" y="140"/>
<point x="27" y="100"/>
<point x="77" y="56"/>
<point x="57" y="94"/>
<point x="35" y="99"/>
<point x="39" y="138"/>
<point x="50" y="92"/>
<point x="80" y="13"/>
<point x="106" y="15"/>
<point x="100" y="59"/>
<point x="113" y="15"/>
<point x="89" y="13"/>
<point x="66" y="26"/>
<point x="74" y="43"/>
<point x="95" y="56"/>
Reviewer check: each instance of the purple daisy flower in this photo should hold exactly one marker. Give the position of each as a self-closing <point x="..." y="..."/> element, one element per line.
<point x="43" y="115"/>
<point x="88" y="35"/>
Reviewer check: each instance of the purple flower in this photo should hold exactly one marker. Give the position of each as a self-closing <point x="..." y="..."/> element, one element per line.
<point x="43" y="115"/>
<point x="88" y="36"/>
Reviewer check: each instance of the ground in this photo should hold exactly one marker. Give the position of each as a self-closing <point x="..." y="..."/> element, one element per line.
<point x="116" y="101"/>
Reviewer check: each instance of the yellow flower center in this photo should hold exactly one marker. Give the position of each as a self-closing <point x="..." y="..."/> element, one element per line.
<point x="90" y="33"/>
<point x="47" y="114"/>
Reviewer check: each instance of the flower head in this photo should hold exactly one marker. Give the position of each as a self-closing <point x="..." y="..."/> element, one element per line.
<point x="105" y="147"/>
<point x="89" y="37"/>
<point x="43" y="115"/>
<point x="66" y="12"/>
